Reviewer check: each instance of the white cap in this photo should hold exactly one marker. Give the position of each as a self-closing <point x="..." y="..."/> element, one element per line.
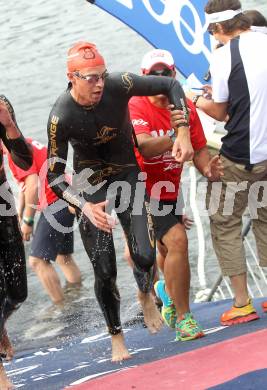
<point x="157" y="56"/>
<point x="222" y="16"/>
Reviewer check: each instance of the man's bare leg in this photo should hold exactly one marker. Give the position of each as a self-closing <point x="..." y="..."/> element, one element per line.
<point x="70" y="269"/>
<point x="119" y="350"/>
<point x="239" y="285"/>
<point x="5" y="383"/>
<point x="6" y="346"/>
<point x="48" y="277"/>
<point x="161" y="255"/>
<point x="152" y="316"/>
<point x="176" y="268"/>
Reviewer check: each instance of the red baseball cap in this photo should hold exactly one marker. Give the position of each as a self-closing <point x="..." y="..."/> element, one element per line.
<point x="83" y="55"/>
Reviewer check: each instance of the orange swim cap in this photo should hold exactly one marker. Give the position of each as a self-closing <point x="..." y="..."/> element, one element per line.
<point x="83" y="55"/>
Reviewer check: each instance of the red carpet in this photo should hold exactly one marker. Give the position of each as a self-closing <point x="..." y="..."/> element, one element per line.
<point x="197" y="369"/>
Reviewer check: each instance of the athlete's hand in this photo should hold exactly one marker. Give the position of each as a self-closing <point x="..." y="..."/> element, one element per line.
<point x="26" y="231"/>
<point x="182" y="149"/>
<point x="177" y="116"/>
<point x="12" y="131"/>
<point x="97" y="215"/>
<point x="214" y="169"/>
<point x="5" y="117"/>
<point x="188" y="222"/>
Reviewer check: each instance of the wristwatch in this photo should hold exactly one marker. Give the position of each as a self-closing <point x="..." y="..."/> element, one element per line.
<point x="28" y="221"/>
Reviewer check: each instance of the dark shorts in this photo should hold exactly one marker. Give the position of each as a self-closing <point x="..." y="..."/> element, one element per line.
<point x="163" y="223"/>
<point x="54" y="233"/>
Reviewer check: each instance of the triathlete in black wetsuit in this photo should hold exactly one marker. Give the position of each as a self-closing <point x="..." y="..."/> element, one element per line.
<point x="93" y="116"/>
<point x="13" y="280"/>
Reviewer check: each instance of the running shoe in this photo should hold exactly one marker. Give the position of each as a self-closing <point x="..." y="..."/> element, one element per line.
<point x="168" y="310"/>
<point x="188" y="328"/>
<point x="238" y="315"/>
<point x="264" y="306"/>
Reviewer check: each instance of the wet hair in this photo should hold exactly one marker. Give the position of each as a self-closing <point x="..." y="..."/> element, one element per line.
<point x="238" y="22"/>
<point x="256" y="18"/>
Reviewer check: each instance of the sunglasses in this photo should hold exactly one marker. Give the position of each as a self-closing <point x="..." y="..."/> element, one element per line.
<point x="92" y="78"/>
<point x="161" y="72"/>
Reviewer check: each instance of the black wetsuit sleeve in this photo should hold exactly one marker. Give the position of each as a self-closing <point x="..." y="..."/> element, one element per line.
<point x="18" y="148"/>
<point x="57" y="158"/>
<point x="133" y="85"/>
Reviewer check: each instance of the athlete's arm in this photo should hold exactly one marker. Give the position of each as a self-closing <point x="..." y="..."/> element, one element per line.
<point x="12" y="137"/>
<point x="57" y="157"/>
<point x="57" y="153"/>
<point x="131" y="84"/>
<point x="201" y="160"/>
<point x="21" y="204"/>
<point x="182" y="149"/>
<point x="149" y="146"/>
<point x="31" y="201"/>
<point x="28" y="195"/>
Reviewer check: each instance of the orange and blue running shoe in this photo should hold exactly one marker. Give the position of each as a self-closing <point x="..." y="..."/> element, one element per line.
<point x="264" y="306"/>
<point x="168" y="310"/>
<point x="239" y="315"/>
<point x="188" y="328"/>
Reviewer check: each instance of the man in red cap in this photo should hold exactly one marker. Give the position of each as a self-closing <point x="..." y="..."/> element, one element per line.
<point x="93" y="116"/>
<point x="151" y="120"/>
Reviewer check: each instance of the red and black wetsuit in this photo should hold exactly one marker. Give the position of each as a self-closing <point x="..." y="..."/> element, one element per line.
<point x="13" y="279"/>
<point x="101" y="137"/>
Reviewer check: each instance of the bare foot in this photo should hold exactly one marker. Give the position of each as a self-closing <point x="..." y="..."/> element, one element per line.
<point x="6" y="346"/>
<point x="152" y="316"/>
<point x="5" y="384"/>
<point x="119" y="350"/>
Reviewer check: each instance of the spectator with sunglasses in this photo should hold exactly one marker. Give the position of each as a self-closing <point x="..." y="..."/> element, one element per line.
<point x="92" y="115"/>
<point x="151" y="119"/>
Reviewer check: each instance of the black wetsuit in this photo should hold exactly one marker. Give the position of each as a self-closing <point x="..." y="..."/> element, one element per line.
<point x="13" y="280"/>
<point x="101" y="137"/>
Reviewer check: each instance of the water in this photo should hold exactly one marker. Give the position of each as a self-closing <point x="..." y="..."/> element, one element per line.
<point x="34" y="37"/>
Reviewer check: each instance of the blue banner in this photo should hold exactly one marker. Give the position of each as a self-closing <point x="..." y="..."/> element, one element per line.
<point x="174" y="25"/>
